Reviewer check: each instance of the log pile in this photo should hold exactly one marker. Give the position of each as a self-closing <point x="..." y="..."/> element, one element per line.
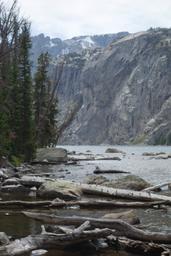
<point x="116" y="233"/>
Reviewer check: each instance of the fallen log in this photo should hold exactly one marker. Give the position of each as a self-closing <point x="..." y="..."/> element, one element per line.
<point x="89" y="204"/>
<point x="98" y="171"/>
<point x="79" y="159"/>
<point x="123" y="193"/>
<point x="121" y="228"/>
<point x="50" y="241"/>
<point x="107" y="204"/>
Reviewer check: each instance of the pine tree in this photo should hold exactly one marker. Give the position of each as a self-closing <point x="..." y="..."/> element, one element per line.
<point x="25" y="84"/>
<point x="16" y="98"/>
<point x="45" y="106"/>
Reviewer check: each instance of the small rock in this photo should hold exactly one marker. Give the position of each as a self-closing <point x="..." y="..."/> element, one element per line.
<point x="38" y="252"/>
<point x="4" y="239"/>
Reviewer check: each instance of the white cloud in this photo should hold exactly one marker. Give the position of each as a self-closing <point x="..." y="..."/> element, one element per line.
<point x="68" y="18"/>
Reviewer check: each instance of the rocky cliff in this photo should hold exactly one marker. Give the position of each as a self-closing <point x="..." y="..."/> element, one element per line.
<point x="123" y="91"/>
<point x="57" y="46"/>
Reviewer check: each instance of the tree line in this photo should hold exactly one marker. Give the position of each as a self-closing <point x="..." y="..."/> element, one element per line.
<point x="28" y="106"/>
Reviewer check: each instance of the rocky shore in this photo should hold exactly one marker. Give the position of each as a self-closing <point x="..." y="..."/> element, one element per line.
<point x="36" y="186"/>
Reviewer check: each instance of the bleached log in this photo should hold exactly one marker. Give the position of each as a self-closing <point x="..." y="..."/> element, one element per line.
<point x="123" y="193"/>
<point x="121" y="228"/>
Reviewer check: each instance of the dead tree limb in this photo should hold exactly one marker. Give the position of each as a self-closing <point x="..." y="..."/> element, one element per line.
<point x="51" y="241"/>
<point x="121" y="228"/>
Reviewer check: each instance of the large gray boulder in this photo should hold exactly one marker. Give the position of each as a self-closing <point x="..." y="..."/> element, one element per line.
<point x="62" y="189"/>
<point x="51" y="155"/>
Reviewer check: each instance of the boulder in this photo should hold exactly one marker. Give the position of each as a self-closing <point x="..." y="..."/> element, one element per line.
<point x="132" y="182"/>
<point x="51" y="155"/>
<point x="62" y="189"/>
<point x="127" y="216"/>
<point x="114" y="150"/>
<point x="96" y="179"/>
<point x="4" y="239"/>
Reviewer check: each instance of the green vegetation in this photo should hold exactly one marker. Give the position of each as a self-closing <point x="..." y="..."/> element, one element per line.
<point x="27" y="109"/>
<point x="45" y="104"/>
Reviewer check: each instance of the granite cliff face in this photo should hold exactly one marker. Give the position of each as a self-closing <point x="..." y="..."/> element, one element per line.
<point x="57" y="46"/>
<point x="123" y="91"/>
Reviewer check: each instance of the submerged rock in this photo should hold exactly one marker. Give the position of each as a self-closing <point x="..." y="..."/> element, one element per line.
<point x="127" y="216"/>
<point x="114" y="150"/>
<point x="132" y="182"/>
<point x="51" y="155"/>
<point x="96" y="179"/>
<point x="59" y="188"/>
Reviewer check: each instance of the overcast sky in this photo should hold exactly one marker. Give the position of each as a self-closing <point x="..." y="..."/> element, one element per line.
<point x="68" y="18"/>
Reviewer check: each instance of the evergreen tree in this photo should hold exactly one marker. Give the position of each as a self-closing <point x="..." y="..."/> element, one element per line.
<point x="25" y="85"/>
<point x="45" y="105"/>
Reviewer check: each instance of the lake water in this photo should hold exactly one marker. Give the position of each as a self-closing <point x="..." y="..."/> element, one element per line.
<point x="152" y="170"/>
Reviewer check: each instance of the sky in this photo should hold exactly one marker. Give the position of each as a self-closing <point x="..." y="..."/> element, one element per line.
<point x="69" y="18"/>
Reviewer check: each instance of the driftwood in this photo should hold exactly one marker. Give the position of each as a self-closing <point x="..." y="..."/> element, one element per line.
<point x="51" y="241"/>
<point x="123" y="193"/>
<point x="115" y="158"/>
<point x="157" y="187"/>
<point x="46" y="162"/>
<point x="121" y="228"/>
<point x="138" y="247"/>
<point x="89" y="204"/>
